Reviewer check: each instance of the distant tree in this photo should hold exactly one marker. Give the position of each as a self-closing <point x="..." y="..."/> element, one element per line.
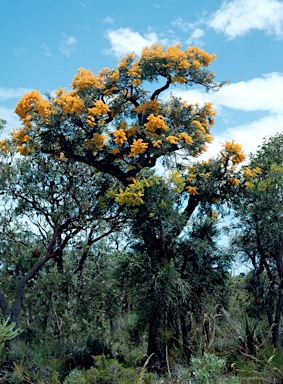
<point x="118" y="123"/>
<point x="259" y="235"/>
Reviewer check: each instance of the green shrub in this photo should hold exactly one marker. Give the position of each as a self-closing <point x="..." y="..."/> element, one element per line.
<point x="209" y="369"/>
<point x="106" y="371"/>
<point x="31" y="365"/>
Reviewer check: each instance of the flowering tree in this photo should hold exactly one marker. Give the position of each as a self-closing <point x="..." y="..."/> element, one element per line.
<point x="110" y="121"/>
<point x="120" y="124"/>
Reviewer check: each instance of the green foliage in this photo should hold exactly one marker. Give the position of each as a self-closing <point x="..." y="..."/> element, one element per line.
<point x="208" y="370"/>
<point x="8" y="331"/>
<point x="266" y="367"/>
<point x="107" y="371"/>
<point x="32" y="364"/>
<point x="258" y="233"/>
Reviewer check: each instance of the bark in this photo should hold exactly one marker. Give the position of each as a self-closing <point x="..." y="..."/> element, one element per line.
<point x="275" y="328"/>
<point x="155" y="346"/>
<point x="4" y="305"/>
<point x="29" y="275"/>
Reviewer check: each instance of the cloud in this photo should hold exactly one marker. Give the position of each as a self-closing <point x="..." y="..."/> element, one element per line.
<point x="124" y="40"/>
<point x="12" y="93"/>
<point x="108" y="20"/>
<point x="196" y="33"/>
<point x="45" y="50"/>
<point x="19" y="51"/>
<point x="68" y="45"/>
<point x="238" y="17"/>
<point x="181" y="24"/>
<point x="11" y="118"/>
<point x="250" y="135"/>
<point x="258" y="95"/>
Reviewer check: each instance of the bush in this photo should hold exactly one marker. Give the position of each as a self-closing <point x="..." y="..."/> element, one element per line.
<point x="209" y="369"/>
<point x="106" y="371"/>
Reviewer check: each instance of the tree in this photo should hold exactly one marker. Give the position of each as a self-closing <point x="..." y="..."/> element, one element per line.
<point x="46" y="208"/>
<point x="259" y="237"/>
<point x="119" y="124"/>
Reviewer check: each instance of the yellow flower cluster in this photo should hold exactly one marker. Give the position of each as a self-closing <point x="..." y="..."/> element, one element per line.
<point x="32" y="105"/>
<point x="200" y="55"/>
<point x="179" y="79"/>
<point x="149" y="105"/>
<point x="115" y="151"/>
<point x="172" y="139"/>
<point x="119" y="136"/>
<point x="156" y="50"/>
<point x="97" y="141"/>
<point x="234" y="181"/>
<point x="198" y="125"/>
<point x="191" y="177"/>
<point x="249" y="185"/>
<point x="132" y="195"/>
<point x="135" y="70"/>
<point x="157" y="143"/>
<point x="138" y="147"/>
<point x="86" y="79"/>
<point x="4" y="147"/>
<point x="234" y="151"/>
<point x="23" y="150"/>
<point x="125" y="60"/>
<point x="192" y="190"/>
<point x="70" y="102"/>
<point x="115" y="75"/>
<point x="177" y="59"/>
<point x="99" y="109"/>
<point x="251" y="173"/>
<point x="19" y="136"/>
<point x="175" y="54"/>
<point x="154" y="123"/>
<point x="186" y="137"/>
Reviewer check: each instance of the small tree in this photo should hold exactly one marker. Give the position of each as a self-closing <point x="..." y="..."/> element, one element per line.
<point x="47" y="207"/>
<point x="260" y="230"/>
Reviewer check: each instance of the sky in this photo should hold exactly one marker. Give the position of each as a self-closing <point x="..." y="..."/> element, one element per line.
<point x="43" y="43"/>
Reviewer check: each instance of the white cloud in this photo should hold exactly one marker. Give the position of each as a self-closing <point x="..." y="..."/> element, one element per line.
<point x="68" y="45"/>
<point x="12" y="93"/>
<point x="257" y="95"/>
<point x="181" y="24"/>
<point x="250" y="135"/>
<point x="124" y="40"/>
<point x="19" y="51"/>
<point x="45" y="50"/>
<point x="108" y="20"/>
<point x="238" y="17"/>
<point x="11" y="119"/>
<point x="197" y="34"/>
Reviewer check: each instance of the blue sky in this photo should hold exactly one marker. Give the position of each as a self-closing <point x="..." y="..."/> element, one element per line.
<point x="43" y="43"/>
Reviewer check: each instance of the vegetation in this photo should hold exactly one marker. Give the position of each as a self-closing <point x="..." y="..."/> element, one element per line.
<point x="111" y="263"/>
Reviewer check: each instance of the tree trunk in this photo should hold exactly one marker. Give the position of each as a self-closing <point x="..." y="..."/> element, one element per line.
<point x="14" y="312"/>
<point x="156" y="346"/>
